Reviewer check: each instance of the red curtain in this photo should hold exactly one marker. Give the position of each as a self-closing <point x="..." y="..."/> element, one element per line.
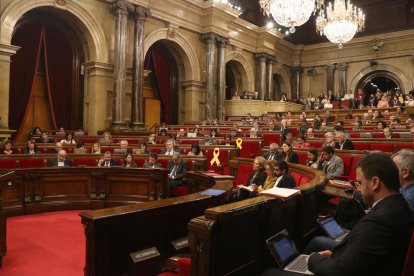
<point x="22" y="72"/>
<point x="163" y="74"/>
<point x="59" y="68"/>
<point x="58" y="61"/>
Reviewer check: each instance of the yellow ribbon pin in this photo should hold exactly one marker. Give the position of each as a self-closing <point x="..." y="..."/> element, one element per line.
<point x="215" y="159"/>
<point x="239" y="142"/>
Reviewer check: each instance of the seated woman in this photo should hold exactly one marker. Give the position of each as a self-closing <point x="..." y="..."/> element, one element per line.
<point x="8" y="148"/>
<point x="128" y="161"/>
<point x="163" y="132"/>
<point x="144" y="148"/>
<point x="31" y="148"/>
<point x="214" y="133"/>
<point x="68" y="139"/>
<point x="106" y="138"/>
<point x="312" y="160"/>
<point x="257" y="177"/>
<point x="288" y="154"/>
<point x="96" y="149"/>
<point x="80" y="148"/>
<point x="270" y="179"/>
<point x="301" y="143"/>
<point x="195" y="150"/>
<point x="152" y="139"/>
<point x="383" y="102"/>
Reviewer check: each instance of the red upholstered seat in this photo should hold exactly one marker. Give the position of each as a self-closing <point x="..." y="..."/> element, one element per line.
<point x="345" y="104"/>
<point x="32" y="163"/>
<point x="243" y="173"/>
<point x="305" y="179"/>
<point x="316" y="144"/>
<point x="408" y="269"/>
<point x="163" y="162"/>
<point x="110" y="149"/>
<point x="378" y="135"/>
<point x="362" y="146"/>
<point x="184" y="267"/>
<point x="8" y="164"/>
<point x="303" y="156"/>
<point x="347" y="166"/>
<point x="250" y="148"/>
<point x="179" y="191"/>
<point x="352" y="171"/>
<point x="401" y="146"/>
<point x="383" y="147"/>
<point x="140" y="162"/>
<point x="269" y="138"/>
<point x="297" y="177"/>
<point x="336" y="104"/>
<point x="354" y="135"/>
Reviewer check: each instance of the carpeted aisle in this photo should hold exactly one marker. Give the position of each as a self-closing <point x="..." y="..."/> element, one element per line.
<point x="45" y="244"/>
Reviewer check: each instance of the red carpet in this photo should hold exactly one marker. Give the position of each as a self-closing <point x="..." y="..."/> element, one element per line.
<point x="45" y="244"/>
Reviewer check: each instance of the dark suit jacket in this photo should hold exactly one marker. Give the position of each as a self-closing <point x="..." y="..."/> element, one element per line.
<point x="147" y="165"/>
<point x="294" y="158"/>
<point x="111" y="163"/>
<point x="287" y="181"/>
<point x="181" y="169"/>
<point x="377" y="245"/>
<point x="348" y="145"/>
<point x="53" y="162"/>
<point x="276" y="156"/>
<point x="259" y="179"/>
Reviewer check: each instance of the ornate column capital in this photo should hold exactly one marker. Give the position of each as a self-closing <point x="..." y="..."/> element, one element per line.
<point x="342" y="66"/>
<point x="298" y="70"/>
<point x="261" y="57"/>
<point x="208" y="38"/>
<point x="122" y="6"/>
<point x="222" y="41"/>
<point x="330" y="67"/>
<point x="141" y="12"/>
<point x="271" y="59"/>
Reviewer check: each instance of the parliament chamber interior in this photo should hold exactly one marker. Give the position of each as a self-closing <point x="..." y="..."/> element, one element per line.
<point x="186" y="135"/>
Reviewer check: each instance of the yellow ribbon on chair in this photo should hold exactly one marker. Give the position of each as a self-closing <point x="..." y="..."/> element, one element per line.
<point x="215" y="159"/>
<point x="239" y="142"/>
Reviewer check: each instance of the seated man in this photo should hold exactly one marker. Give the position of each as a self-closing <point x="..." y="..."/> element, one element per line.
<point x="106" y="160"/>
<point x="60" y="160"/>
<point x="169" y="148"/>
<point x="124" y="146"/>
<point x="58" y="147"/>
<point x="284" y="179"/>
<point x="342" y="143"/>
<point x="378" y="243"/>
<point x="331" y="164"/>
<point x="404" y="159"/>
<point x="178" y="169"/>
<point x="207" y="140"/>
<point x="310" y="133"/>
<point x="329" y="140"/>
<point x="273" y="153"/>
<point x="152" y="161"/>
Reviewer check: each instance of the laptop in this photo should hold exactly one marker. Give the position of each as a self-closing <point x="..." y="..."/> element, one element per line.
<point x="191" y="134"/>
<point x="332" y="228"/>
<point x="286" y="254"/>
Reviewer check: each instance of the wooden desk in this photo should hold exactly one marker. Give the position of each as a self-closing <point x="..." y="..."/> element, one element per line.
<point x="6" y="182"/>
<point x="114" y="233"/>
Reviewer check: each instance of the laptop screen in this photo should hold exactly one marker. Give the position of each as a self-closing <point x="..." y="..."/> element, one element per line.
<point x="283" y="248"/>
<point x="331" y="227"/>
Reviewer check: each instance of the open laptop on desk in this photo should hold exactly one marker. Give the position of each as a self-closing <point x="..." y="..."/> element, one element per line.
<point x="286" y="254"/>
<point x="332" y="228"/>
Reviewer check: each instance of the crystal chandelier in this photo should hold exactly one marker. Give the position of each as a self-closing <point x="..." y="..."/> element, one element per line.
<point x="340" y="23"/>
<point x="290" y="13"/>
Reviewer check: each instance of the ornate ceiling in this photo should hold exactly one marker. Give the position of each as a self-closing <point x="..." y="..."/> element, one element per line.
<point x="381" y="16"/>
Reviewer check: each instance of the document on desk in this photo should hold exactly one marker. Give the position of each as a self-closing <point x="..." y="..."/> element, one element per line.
<point x="280" y="192"/>
<point x="213" y="192"/>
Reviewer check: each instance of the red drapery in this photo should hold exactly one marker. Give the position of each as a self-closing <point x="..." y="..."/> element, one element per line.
<point x="58" y="61"/>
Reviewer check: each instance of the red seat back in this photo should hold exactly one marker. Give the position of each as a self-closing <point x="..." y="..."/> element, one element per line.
<point x="305" y="179"/>
<point x="303" y="156"/>
<point x="408" y="269"/>
<point x="84" y="161"/>
<point x="382" y="147"/>
<point x="8" y="164"/>
<point x="352" y="172"/>
<point x="250" y="148"/>
<point x="401" y="146"/>
<point x="362" y="146"/>
<point x="297" y="176"/>
<point x="347" y="164"/>
<point x="32" y="163"/>
<point x="243" y="173"/>
<point x="269" y="138"/>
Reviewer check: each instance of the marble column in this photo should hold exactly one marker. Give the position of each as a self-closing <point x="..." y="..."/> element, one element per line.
<point x="330" y="77"/>
<point x="222" y="42"/>
<point x="342" y="68"/>
<point x="137" y="95"/>
<point x="269" y="76"/>
<point x="261" y="59"/>
<point x="296" y="82"/>
<point x="210" y="40"/>
<point x="6" y="51"/>
<point x="121" y="9"/>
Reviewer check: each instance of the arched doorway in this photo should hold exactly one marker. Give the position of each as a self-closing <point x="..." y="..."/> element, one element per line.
<point x="383" y="80"/>
<point x="277" y="87"/>
<point x="46" y="84"/>
<point x="161" y="90"/>
<point x="233" y="79"/>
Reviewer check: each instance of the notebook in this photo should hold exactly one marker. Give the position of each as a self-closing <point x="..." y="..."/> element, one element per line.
<point x="286" y="254"/>
<point x="332" y="228"/>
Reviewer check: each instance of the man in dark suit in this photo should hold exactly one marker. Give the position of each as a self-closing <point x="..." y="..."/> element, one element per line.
<point x="60" y="160"/>
<point x="152" y="161"/>
<point x="284" y="179"/>
<point x="169" y="148"/>
<point x="378" y="243"/>
<point x="58" y="147"/>
<point x="124" y="146"/>
<point x="106" y="160"/>
<point x="178" y="169"/>
<point x="342" y="143"/>
<point x="273" y="153"/>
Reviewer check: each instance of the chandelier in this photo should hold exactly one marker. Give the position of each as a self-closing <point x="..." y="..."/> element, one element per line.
<point x="290" y="13"/>
<point x="340" y="23"/>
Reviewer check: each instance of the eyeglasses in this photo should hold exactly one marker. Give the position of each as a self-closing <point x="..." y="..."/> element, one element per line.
<point x="355" y="183"/>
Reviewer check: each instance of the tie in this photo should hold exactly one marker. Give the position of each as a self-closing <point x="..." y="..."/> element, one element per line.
<point x="271" y="157"/>
<point x="174" y="170"/>
<point x="106" y="164"/>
